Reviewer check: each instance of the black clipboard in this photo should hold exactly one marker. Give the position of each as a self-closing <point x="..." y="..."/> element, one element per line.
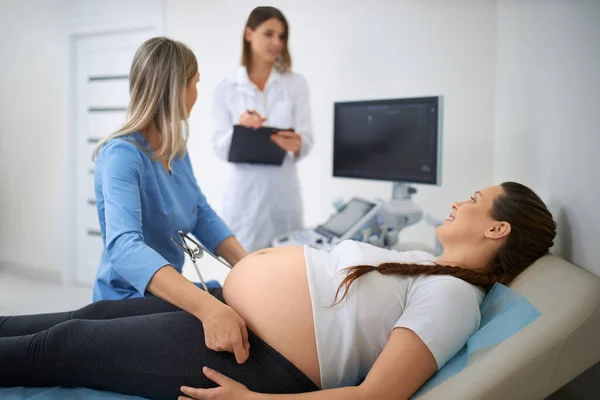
<point x="254" y="146"/>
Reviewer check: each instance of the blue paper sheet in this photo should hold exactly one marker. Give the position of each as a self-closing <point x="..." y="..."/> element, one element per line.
<point x="60" y="393"/>
<point x="504" y="312"/>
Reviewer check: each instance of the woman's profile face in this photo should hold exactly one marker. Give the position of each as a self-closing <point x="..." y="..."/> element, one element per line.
<point x="268" y="40"/>
<point x="471" y="220"/>
<point x="191" y="92"/>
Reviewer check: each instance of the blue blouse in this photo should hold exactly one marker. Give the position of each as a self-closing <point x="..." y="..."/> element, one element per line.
<point x="141" y="206"/>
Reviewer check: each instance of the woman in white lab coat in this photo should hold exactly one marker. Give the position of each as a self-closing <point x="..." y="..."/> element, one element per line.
<point x="262" y="201"/>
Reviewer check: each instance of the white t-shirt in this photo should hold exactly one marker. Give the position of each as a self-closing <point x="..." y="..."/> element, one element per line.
<point x="442" y="310"/>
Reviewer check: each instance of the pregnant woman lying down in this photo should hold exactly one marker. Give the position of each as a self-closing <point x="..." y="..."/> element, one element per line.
<point x="359" y="322"/>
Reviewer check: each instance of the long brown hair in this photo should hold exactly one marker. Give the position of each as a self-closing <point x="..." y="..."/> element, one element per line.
<point x="256" y="18"/>
<point x="532" y="234"/>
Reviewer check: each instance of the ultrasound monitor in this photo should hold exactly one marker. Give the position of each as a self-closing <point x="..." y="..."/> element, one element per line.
<point x="396" y="140"/>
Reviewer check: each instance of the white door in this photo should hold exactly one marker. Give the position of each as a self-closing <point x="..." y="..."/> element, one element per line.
<point x="102" y="63"/>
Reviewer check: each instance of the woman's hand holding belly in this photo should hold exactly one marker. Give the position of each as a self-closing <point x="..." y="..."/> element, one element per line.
<point x="269" y="290"/>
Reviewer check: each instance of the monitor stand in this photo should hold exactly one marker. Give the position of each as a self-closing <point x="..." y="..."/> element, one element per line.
<point x="401" y="202"/>
<point x="402" y="191"/>
<point x="401" y="211"/>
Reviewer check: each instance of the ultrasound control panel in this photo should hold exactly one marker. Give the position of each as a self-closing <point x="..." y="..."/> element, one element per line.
<point x="345" y="224"/>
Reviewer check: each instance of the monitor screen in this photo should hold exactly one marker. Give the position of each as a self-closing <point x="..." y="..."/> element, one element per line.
<point x="341" y="222"/>
<point x="393" y="140"/>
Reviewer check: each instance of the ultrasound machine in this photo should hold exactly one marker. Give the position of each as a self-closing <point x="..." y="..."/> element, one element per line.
<point x="397" y="140"/>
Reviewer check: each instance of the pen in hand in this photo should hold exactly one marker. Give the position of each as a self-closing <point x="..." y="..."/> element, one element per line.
<point x="251" y="119"/>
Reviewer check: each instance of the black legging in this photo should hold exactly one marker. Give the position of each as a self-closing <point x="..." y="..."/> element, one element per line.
<point x="145" y="347"/>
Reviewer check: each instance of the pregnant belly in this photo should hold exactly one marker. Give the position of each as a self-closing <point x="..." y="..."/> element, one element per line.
<point x="269" y="290"/>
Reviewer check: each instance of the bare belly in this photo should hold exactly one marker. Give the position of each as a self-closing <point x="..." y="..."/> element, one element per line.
<point x="269" y="290"/>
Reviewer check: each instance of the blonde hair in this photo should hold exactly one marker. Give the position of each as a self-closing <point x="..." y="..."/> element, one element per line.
<point x="161" y="70"/>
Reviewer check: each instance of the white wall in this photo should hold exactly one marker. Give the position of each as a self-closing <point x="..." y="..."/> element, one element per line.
<point x="33" y="135"/>
<point x="361" y="50"/>
<point x="547" y="129"/>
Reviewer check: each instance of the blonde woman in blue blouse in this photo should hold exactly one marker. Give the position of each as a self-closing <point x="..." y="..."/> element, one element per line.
<point x="146" y="192"/>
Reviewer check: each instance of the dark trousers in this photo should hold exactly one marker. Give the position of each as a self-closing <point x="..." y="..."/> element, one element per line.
<point x="145" y="347"/>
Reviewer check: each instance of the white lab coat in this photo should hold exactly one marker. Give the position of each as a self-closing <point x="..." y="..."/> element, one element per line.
<point x="261" y="201"/>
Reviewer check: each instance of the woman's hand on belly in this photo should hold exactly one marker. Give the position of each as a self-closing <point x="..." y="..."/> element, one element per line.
<point x="225" y="330"/>
<point x="269" y="290"/>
